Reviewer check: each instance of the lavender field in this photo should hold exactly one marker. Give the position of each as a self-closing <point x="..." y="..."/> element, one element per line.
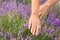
<point x="14" y="17"/>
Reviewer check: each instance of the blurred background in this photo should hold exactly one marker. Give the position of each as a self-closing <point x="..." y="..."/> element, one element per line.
<point x="14" y="17"/>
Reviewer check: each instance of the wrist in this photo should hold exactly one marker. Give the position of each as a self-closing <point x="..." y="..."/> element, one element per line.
<point x="48" y="4"/>
<point x="35" y="15"/>
<point x="51" y="2"/>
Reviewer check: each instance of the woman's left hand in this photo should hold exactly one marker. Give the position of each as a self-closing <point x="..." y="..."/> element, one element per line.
<point x="34" y="24"/>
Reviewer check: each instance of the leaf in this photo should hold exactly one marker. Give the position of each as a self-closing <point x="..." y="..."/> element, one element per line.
<point x="27" y="1"/>
<point x="46" y="38"/>
<point x="26" y="33"/>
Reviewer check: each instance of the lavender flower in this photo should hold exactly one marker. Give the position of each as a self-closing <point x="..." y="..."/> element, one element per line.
<point x="11" y="5"/>
<point x="13" y="39"/>
<point x="1" y="34"/>
<point x="4" y="38"/>
<point x="20" y="32"/>
<point x="52" y="31"/>
<point x="9" y="35"/>
<point x="20" y="35"/>
<point x="48" y="30"/>
<point x="56" y="22"/>
<point x="19" y="8"/>
<point x="2" y="11"/>
<point x="53" y="19"/>
<point x="28" y="38"/>
<point x="4" y="7"/>
<point x="43" y="1"/>
<point x="24" y="9"/>
<point x="26" y="25"/>
<point x="55" y="38"/>
<point x="53" y="14"/>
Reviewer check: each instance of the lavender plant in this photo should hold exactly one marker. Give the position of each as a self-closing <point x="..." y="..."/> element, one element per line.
<point x="14" y="17"/>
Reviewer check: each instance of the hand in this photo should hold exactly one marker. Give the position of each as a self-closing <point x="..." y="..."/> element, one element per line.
<point x="43" y="10"/>
<point x="34" y="24"/>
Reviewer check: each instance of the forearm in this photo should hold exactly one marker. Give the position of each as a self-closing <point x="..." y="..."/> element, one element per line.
<point x="46" y="6"/>
<point x="50" y="3"/>
<point x="35" y="7"/>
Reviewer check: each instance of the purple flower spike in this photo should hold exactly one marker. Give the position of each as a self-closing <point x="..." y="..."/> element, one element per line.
<point x="53" y="20"/>
<point x="28" y="38"/>
<point x="20" y="35"/>
<point x="48" y="30"/>
<point x="9" y="35"/>
<point x="56" y="22"/>
<point x="4" y="38"/>
<point x="26" y="25"/>
<point x="24" y="9"/>
<point x="55" y="38"/>
<point x="12" y="6"/>
<point x="43" y="1"/>
<point x="13" y="39"/>
<point x="1" y="34"/>
<point x="51" y="32"/>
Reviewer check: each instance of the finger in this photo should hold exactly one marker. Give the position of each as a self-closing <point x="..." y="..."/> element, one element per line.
<point x="41" y="15"/>
<point x="37" y="30"/>
<point x="34" y="28"/>
<point x="38" y="27"/>
<point x="29" y="27"/>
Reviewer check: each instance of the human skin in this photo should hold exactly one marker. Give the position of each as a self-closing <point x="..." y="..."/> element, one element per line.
<point x="34" y="20"/>
<point x="38" y="11"/>
<point x="46" y="6"/>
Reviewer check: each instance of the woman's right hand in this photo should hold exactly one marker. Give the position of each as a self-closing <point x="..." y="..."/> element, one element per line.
<point x="43" y="9"/>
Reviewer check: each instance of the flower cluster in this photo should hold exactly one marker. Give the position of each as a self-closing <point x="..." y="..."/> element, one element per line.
<point x="16" y="7"/>
<point x="53" y="19"/>
<point x="13" y="26"/>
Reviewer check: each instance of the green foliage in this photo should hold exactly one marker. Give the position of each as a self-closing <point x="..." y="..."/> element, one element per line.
<point x="41" y="37"/>
<point x="28" y="1"/>
<point x="12" y="23"/>
<point x="18" y="0"/>
<point x="26" y="33"/>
